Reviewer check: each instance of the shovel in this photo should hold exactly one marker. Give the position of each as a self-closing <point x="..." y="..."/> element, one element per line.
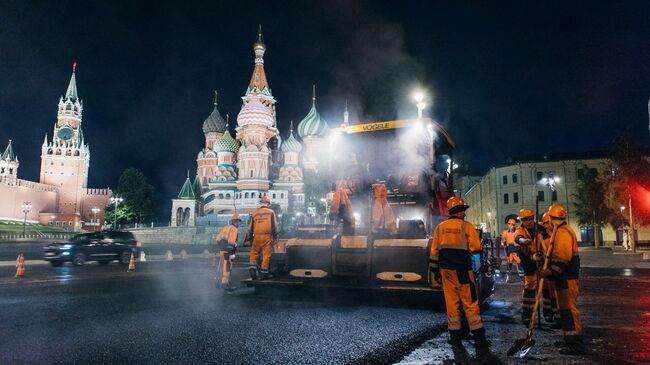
<point x="522" y="346"/>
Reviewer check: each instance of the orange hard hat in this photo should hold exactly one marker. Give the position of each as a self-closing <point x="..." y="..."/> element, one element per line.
<point x="265" y="199"/>
<point x="456" y="204"/>
<point x="526" y="213"/>
<point x="235" y="217"/>
<point x="546" y="218"/>
<point x="557" y="211"/>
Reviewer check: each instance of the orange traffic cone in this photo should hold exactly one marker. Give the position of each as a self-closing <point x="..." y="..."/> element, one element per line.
<point x="20" y="266"/>
<point x="131" y="264"/>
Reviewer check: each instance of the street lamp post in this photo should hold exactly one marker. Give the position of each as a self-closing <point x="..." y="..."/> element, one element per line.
<point x="631" y="238"/>
<point x="116" y="200"/>
<point x="26" y="207"/>
<point x="548" y="181"/>
<point x="95" y="210"/>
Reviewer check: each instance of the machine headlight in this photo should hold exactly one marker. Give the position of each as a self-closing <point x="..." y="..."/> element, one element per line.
<point x="66" y="247"/>
<point x="65" y="253"/>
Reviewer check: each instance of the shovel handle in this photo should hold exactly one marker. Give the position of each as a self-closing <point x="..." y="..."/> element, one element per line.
<point x="540" y="286"/>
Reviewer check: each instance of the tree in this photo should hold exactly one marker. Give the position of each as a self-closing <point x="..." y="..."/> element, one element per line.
<point x="137" y="194"/>
<point x="590" y="203"/>
<point x="630" y="178"/>
<point x="125" y="214"/>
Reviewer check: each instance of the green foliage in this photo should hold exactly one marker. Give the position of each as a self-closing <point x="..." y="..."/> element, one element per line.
<point x="590" y="205"/>
<point x="125" y="214"/>
<point x="137" y="193"/>
<point x="629" y="178"/>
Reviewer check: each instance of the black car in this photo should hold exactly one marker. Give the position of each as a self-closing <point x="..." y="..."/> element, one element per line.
<point x="103" y="247"/>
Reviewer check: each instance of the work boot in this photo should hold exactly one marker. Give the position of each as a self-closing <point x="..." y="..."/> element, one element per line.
<point x="265" y="274"/>
<point x="573" y="346"/>
<point x="253" y="272"/>
<point x="482" y="348"/>
<point x="461" y="357"/>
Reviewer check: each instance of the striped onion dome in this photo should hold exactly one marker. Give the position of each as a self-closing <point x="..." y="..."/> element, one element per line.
<point x="312" y="125"/>
<point x="254" y="112"/>
<point x="291" y="144"/>
<point x="214" y="122"/>
<point x="226" y="143"/>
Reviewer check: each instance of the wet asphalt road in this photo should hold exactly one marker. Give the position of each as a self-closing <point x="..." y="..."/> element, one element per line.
<point x="170" y="312"/>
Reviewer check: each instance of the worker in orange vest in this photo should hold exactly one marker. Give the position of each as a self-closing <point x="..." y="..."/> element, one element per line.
<point x="529" y="236"/>
<point x="262" y="231"/>
<point x="511" y="247"/>
<point x="450" y="261"/>
<point x="551" y="310"/>
<point x="564" y="271"/>
<point x="227" y="242"/>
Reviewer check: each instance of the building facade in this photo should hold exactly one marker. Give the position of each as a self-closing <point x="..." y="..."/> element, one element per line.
<point x="61" y="197"/>
<point x="506" y="189"/>
<point x="234" y="172"/>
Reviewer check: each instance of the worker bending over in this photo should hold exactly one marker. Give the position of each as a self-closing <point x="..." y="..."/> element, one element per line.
<point x="564" y="271"/>
<point x="227" y="242"/>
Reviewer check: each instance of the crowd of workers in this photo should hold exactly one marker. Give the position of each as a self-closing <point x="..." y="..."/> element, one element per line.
<point x="455" y="239"/>
<point x="450" y="262"/>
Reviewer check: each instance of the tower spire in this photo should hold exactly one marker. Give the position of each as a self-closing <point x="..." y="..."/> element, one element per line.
<point x="313" y="94"/>
<point x="8" y="154"/>
<point x="227" y="121"/>
<point x="215" y="97"/>
<point x="71" y="93"/>
<point x="346" y="114"/>
<point x="258" y="82"/>
<point x="291" y="127"/>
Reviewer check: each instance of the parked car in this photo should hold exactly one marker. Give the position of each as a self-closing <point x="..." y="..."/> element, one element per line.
<point x="104" y="247"/>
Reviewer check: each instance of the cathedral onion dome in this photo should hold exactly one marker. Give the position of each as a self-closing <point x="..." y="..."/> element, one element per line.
<point x="312" y="125"/>
<point x="255" y="113"/>
<point x="214" y="122"/>
<point x="226" y="143"/>
<point x="291" y="144"/>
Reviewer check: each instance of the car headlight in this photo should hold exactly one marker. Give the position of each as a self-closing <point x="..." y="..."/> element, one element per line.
<point x="66" y="247"/>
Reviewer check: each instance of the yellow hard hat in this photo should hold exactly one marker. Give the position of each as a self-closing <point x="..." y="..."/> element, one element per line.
<point x="235" y="217"/>
<point x="526" y="213"/>
<point x="546" y="218"/>
<point x="265" y="199"/>
<point x="557" y="211"/>
<point x="456" y="204"/>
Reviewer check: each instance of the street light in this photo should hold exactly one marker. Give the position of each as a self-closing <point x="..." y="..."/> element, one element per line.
<point x="26" y="207"/>
<point x="95" y="210"/>
<point x="418" y="95"/>
<point x="116" y="200"/>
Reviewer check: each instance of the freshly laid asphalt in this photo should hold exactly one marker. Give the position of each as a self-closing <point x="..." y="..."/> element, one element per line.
<point x="171" y="312"/>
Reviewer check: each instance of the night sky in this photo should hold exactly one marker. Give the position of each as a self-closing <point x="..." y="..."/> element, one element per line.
<point x="504" y="78"/>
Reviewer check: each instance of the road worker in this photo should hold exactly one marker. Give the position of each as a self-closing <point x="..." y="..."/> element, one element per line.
<point x="227" y="242"/>
<point x="450" y="261"/>
<point x="383" y="218"/>
<point x="564" y="270"/>
<point x="341" y="211"/>
<point x="262" y="231"/>
<point x="551" y="310"/>
<point x="530" y="253"/>
<point x="511" y="247"/>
